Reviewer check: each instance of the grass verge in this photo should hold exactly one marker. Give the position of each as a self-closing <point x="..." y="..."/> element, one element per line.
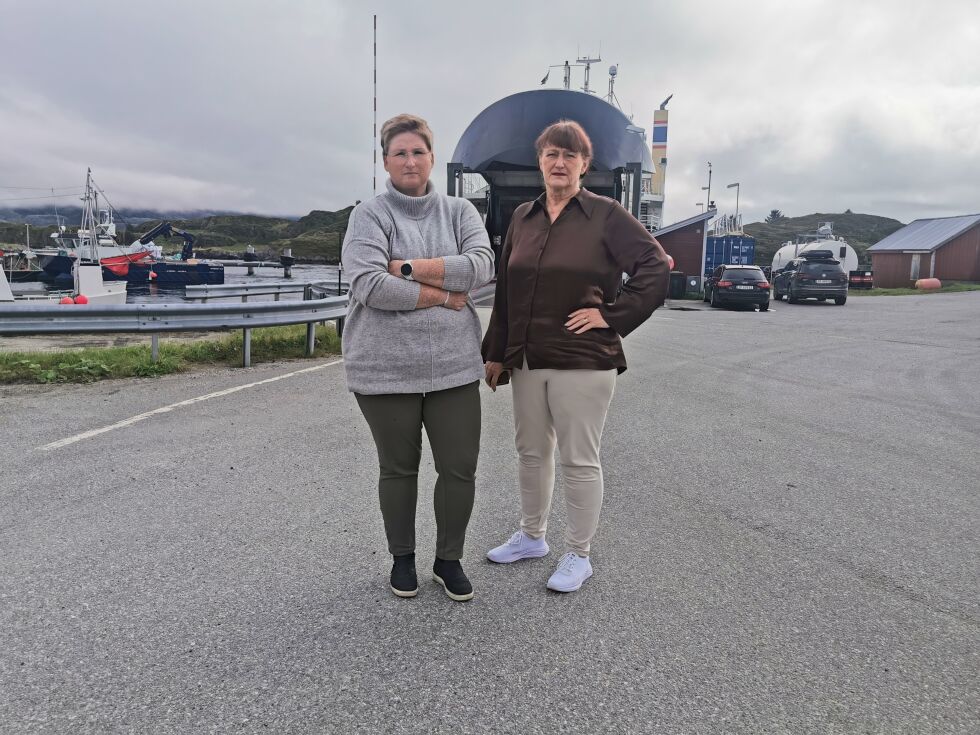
<point x="90" y="364"/>
<point x="951" y="288"/>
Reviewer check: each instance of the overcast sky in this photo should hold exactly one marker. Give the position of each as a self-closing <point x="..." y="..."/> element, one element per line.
<point x="265" y="106"/>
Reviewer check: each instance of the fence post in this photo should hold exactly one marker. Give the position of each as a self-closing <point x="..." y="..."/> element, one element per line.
<point x="247" y="347"/>
<point x="310" y="338"/>
<point x="155" y="347"/>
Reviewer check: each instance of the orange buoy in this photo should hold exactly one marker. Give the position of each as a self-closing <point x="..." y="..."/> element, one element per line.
<point x="81" y="299"/>
<point x="67" y="300"/>
<point x="928" y="283"/>
<point x="152" y="274"/>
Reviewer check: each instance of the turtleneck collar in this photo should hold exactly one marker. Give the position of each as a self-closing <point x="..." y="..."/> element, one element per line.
<point x="414" y="207"/>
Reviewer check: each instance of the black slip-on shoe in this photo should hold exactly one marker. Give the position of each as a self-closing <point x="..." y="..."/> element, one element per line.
<point x="404" y="583"/>
<point x="449" y="573"/>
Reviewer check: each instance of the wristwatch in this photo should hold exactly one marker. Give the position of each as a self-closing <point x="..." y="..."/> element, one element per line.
<point x="407" y="270"/>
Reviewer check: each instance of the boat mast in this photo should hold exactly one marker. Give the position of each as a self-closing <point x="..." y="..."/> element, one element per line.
<point x="88" y="227"/>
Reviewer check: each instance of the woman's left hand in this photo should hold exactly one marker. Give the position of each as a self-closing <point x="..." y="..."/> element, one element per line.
<point x="583" y="320"/>
<point x="395" y="267"/>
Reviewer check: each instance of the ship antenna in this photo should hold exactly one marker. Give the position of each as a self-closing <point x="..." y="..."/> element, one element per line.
<point x="611" y="96"/>
<point x="587" y="62"/>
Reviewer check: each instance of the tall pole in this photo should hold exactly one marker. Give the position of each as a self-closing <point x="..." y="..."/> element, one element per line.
<point x="374" y="138"/>
<point x="709" y="185"/>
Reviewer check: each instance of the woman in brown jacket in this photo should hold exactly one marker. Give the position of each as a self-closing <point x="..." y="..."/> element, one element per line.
<point x="561" y="308"/>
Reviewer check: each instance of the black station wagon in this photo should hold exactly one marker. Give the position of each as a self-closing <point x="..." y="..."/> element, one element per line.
<point x="737" y="284"/>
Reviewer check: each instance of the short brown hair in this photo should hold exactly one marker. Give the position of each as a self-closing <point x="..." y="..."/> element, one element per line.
<point x="405" y="123"/>
<point x="566" y="134"/>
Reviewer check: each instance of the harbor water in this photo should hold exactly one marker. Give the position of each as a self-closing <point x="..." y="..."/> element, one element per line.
<point x="153" y="294"/>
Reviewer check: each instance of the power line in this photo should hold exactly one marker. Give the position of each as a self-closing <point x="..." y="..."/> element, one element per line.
<point x="43" y="188"/>
<point x="49" y="196"/>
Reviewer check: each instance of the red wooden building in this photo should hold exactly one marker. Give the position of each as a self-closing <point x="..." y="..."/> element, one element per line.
<point x="947" y="248"/>
<point x="685" y="242"/>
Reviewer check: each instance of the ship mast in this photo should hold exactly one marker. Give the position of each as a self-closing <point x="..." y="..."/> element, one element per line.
<point x="88" y="227"/>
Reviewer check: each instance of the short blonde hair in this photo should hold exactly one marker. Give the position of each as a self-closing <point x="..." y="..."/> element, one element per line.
<point x="405" y="123"/>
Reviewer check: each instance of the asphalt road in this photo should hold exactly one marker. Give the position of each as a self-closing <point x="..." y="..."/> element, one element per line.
<point x="789" y="543"/>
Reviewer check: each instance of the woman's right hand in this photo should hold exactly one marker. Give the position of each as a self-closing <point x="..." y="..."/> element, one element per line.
<point x="493" y="371"/>
<point x="456" y="300"/>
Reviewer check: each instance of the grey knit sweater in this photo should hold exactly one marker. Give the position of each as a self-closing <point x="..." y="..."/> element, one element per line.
<point x="389" y="345"/>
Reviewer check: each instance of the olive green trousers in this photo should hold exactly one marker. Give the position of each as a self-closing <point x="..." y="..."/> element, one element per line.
<point x="452" y="422"/>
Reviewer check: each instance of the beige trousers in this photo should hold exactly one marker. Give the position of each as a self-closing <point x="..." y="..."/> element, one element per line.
<point x="567" y="408"/>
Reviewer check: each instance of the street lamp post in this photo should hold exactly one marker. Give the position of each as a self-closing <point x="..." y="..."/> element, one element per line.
<point x="738" y="189"/>
<point x="708" y="187"/>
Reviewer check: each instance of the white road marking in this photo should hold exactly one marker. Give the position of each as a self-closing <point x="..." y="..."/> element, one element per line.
<point x="166" y="409"/>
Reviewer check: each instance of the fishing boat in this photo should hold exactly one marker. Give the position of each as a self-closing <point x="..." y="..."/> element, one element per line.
<point x="141" y="262"/>
<point x="88" y="285"/>
<point x="91" y="244"/>
<point x="21" y="266"/>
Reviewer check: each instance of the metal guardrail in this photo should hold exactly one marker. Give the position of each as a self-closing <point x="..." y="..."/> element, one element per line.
<point x="230" y="291"/>
<point x="275" y="289"/>
<point x="27" y="319"/>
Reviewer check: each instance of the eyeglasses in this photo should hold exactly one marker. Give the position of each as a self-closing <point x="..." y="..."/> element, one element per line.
<point x="404" y="156"/>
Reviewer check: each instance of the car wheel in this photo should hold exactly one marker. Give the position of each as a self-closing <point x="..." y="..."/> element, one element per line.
<point x="706" y="295"/>
<point x="764" y="306"/>
<point x="776" y="295"/>
<point x="714" y="300"/>
<point x="840" y="300"/>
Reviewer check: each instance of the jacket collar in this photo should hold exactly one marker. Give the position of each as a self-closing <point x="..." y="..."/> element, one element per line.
<point x="586" y="201"/>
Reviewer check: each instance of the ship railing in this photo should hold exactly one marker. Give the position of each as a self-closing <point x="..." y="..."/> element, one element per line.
<point x="154" y="319"/>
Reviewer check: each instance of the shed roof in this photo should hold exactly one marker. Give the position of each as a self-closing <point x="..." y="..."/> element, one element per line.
<point x="684" y="223"/>
<point x="926" y="234"/>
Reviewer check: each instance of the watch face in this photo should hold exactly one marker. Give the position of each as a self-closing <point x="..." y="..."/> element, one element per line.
<point x="406" y="269"/>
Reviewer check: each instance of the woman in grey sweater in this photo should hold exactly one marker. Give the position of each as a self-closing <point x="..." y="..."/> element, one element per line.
<point x="412" y="347"/>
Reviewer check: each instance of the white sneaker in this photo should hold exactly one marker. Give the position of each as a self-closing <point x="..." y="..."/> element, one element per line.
<point x="572" y="571"/>
<point x="519" y="546"/>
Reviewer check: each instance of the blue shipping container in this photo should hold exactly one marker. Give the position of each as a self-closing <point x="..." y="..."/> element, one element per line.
<point x="728" y="250"/>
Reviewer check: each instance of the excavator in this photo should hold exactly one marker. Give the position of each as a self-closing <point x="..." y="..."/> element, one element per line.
<point x="165" y="229"/>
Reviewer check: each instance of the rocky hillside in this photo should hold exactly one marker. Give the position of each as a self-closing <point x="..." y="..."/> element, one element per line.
<point x="72" y="215"/>
<point x="315" y="238"/>
<point x="860" y="230"/>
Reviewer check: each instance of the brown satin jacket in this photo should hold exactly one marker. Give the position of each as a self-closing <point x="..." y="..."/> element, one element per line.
<point x="550" y="269"/>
